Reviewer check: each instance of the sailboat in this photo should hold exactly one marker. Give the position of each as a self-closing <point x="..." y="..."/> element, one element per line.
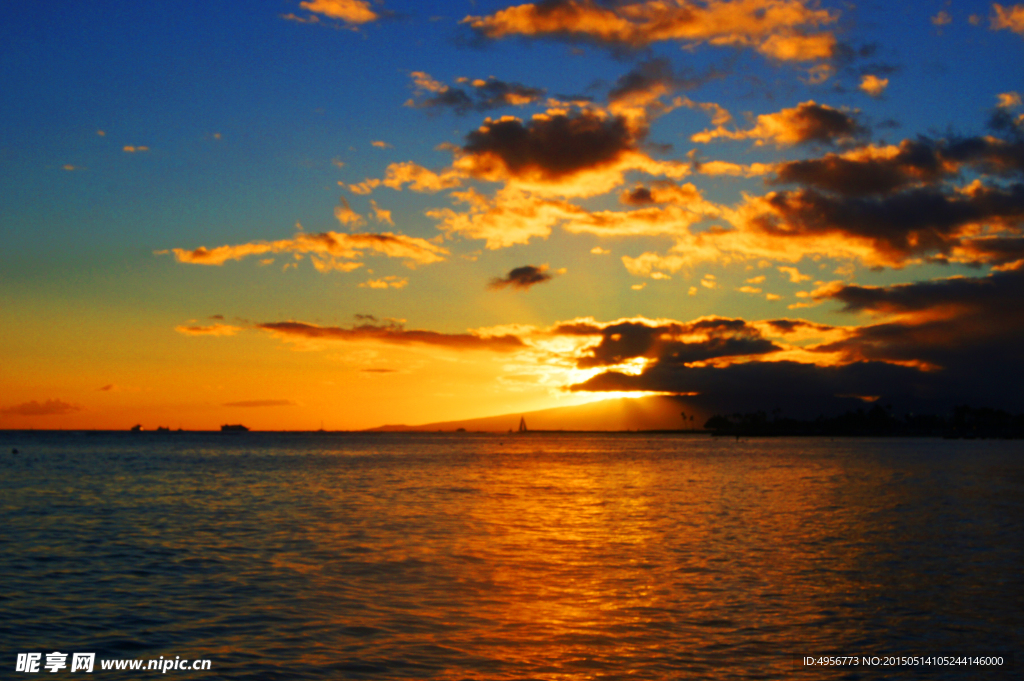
<point x="522" y="424"/>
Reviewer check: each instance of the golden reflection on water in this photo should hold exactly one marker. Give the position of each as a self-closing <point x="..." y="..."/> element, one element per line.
<point x="542" y="557"/>
<point x="556" y="561"/>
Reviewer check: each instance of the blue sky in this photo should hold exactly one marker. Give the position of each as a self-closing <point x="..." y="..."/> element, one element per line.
<point x="131" y="130"/>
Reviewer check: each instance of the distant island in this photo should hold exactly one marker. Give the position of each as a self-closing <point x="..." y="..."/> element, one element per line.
<point x="236" y="428"/>
<point x="670" y="414"/>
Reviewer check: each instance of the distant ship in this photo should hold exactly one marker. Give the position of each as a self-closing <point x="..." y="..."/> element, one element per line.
<point x="236" y="428"/>
<point x="522" y="424"/>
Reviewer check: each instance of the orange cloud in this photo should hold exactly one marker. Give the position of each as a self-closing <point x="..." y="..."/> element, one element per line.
<point x="685" y="195"/>
<point x="327" y="245"/>
<point x="1011" y="18"/>
<point x="873" y="85"/>
<point x="807" y="122"/>
<point x="794" y="274"/>
<point x="419" y="179"/>
<point x="718" y="168"/>
<point x="349" y="11"/>
<point x="1008" y="100"/>
<point x="385" y="283"/>
<point x="381" y="215"/>
<point x="718" y="114"/>
<point x="511" y="217"/>
<point x="345" y="215"/>
<point x="652" y="221"/>
<point x="776" y="28"/>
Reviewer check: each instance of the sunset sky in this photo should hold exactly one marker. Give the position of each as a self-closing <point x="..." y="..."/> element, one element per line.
<point x="350" y="213"/>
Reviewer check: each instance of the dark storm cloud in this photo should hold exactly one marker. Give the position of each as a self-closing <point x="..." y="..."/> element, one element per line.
<point x="656" y="74"/>
<point x="926" y="197"/>
<point x="554" y="145"/>
<point x="804" y="390"/>
<point x="900" y="226"/>
<point x="967" y="329"/>
<point x="997" y="156"/>
<point x="820" y="123"/>
<point x="674" y="343"/>
<point x="1004" y="123"/>
<point x="639" y="196"/>
<point x="788" y="326"/>
<point x="948" y="342"/>
<point x="991" y="250"/>
<point x="644" y="77"/>
<point x="522" y="278"/>
<point x="391" y="333"/>
<point x="916" y="162"/>
<point x="992" y="296"/>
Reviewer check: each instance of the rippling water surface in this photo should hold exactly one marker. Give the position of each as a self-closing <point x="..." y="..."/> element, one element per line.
<point x="538" y="556"/>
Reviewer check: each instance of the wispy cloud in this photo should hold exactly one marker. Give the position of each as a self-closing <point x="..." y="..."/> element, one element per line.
<point x="381" y="215"/>
<point x="393" y="333"/>
<point x="470" y="95"/>
<point x="386" y="282"/>
<point x="413" y="175"/>
<point x="324" y="248"/>
<point x="208" y="330"/>
<point x="53" y="407"/>
<point x="344" y="214"/>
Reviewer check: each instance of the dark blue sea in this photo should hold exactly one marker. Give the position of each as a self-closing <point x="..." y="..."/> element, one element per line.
<point x="534" y="556"/>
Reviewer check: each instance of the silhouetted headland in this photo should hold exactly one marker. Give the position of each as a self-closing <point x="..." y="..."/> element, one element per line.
<point x="964" y="422"/>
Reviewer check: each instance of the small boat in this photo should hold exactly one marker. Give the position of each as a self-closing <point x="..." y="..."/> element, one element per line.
<point x="522" y="424"/>
<point x="235" y="428"/>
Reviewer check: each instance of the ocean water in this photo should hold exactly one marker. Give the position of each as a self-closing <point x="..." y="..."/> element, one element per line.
<point x="537" y="556"/>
